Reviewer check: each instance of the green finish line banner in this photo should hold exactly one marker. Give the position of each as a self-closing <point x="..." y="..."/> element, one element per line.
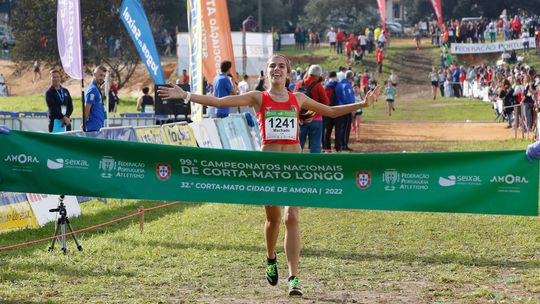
<point x="494" y="182"/>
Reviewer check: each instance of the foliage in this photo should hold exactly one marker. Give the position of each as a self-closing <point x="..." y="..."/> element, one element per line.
<point x="35" y="21"/>
<point x="350" y="15"/>
<point x="456" y="9"/>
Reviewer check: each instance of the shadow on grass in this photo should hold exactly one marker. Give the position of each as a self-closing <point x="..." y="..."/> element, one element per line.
<point x="435" y="259"/>
<point x="83" y="221"/>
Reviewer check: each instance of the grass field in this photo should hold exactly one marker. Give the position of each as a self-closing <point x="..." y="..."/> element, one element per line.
<point x="215" y="252"/>
<point x="425" y="109"/>
<point x="37" y="104"/>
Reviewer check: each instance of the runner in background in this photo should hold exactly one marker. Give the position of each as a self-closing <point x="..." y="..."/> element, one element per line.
<point x="278" y="117"/>
<point x="390" y="98"/>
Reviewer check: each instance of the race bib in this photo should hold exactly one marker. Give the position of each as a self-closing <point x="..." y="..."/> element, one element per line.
<point x="280" y="125"/>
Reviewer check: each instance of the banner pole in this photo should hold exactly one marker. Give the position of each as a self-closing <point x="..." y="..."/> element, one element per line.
<point x="82" y="74"/>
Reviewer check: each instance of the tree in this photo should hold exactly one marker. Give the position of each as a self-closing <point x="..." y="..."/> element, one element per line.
<point x="351" y="15"/>
<point x="34" y="24"/>
<point x="456" y="9"/>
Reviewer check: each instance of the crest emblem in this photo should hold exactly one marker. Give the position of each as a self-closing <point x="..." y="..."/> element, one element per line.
<point x="363" y="179"/>
<point x="163" y="171"/>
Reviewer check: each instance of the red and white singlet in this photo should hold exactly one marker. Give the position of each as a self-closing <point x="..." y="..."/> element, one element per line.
<point x="278" y="121"/>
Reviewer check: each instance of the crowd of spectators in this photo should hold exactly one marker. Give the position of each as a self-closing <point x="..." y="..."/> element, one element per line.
<point x="481" y="30"/>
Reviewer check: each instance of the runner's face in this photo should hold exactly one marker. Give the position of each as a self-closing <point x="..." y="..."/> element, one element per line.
<point x="277" y="70"/>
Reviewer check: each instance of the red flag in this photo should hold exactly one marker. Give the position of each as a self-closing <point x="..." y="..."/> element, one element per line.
<point x="382" y="10"/>
<point x="437" y="7"/>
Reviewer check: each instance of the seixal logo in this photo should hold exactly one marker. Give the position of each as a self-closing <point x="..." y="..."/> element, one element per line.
<point x="447" y="182"/>
<point x="55" y="164"/>
<point x="22" y="159"/>
<point x="67" y="163"/>
<point x="460" y="180"/>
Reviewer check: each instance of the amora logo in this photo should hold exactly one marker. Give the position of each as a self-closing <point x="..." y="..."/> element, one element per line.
<point x="447" y="182"/>
<point x="22" y="159"/>
<point x="55" y="164"/>
<point x="509" y="179"/>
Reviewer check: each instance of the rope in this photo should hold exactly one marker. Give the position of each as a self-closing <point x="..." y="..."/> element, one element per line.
<point x="87" y="228"/>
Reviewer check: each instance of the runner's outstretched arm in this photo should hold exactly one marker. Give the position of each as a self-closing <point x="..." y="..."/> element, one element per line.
<point x="336" y="111"/>
<point x="252" y="98"/>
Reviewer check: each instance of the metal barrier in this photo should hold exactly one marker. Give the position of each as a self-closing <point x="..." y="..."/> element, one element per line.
<point x="12" y="123"/>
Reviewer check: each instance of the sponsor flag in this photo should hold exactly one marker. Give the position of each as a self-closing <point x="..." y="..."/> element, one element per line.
<point x="217" y="39"/>
<point x="382" y="11"/>
<point x="134" y="18"/>
<point x="488" y="182"/>
<point x="68" y="36"/>
<point x="195" y="55"/>
<point x="437" y="7"/>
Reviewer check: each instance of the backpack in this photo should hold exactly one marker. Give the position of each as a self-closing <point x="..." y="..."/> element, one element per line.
<point x="331" y="93"/>
<point x="306" y="116"/>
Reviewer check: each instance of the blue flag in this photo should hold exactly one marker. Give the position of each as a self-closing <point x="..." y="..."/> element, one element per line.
<point x="134" y="18"/>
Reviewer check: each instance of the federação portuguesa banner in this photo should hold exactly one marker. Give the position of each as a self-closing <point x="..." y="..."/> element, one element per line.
<point x="492" y="182"/>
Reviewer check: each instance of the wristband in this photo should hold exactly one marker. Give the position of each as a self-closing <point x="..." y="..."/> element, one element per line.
<point x="188" y="97"/>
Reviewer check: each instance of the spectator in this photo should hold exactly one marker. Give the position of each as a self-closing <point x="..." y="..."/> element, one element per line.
<point x="5" y="49"/>
<point x="243" y="86"/>
<point x="331" y="35"/>
<point x="340" y="38"/>
<point x="94" y="111"/>
<point x="345" y="96"/>
<point x="249" y="24"/>
<point x="329" y="122"/>
<point x="313" y="127"/>
<point x="223" y="86"/>
<point x="114" y="100"/>
<point x="145" y="101"/>
<point x="59" y="104"/>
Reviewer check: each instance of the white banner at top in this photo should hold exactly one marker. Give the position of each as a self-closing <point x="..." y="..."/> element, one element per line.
<point x="498" y="47"/>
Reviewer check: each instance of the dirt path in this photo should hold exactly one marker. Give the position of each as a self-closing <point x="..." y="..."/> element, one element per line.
<point x="412" y="67"/>
<point x="411" y="131"/>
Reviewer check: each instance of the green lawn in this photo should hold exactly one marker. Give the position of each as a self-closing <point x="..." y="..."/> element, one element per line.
<point x="426" y="109"/>
<point x="215" y="252"/>
<point x="37" y="104"/>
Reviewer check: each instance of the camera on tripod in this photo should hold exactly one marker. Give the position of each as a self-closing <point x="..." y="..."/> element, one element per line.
<point x="61" y="207"/>
<point x="61" y="224"/>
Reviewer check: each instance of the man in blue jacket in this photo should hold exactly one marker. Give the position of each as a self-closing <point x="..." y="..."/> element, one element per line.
<point x="456" y="82"/>
<point x="345" y="95"/>
<point x="223" y="86"/>
<point x="94" y="111"/>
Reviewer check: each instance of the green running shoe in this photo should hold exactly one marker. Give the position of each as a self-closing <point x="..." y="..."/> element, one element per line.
<point x="294" y="289"/>
<point x="272" y="272"/>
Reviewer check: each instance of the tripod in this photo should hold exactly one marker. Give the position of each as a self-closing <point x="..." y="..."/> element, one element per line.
<point x="62" y="221"/>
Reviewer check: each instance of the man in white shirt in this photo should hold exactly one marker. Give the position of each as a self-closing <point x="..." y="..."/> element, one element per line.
<point x="332" y="38"/>
<point x="243" y="86"/>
